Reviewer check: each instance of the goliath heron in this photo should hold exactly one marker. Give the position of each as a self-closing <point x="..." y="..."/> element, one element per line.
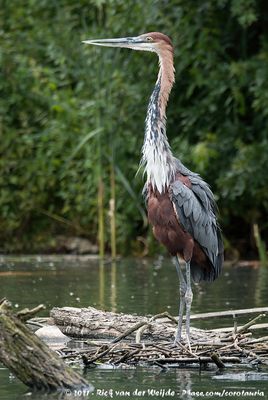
<point x="181" y="206"/>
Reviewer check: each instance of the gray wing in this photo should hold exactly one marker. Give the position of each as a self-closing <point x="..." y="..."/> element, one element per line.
<point x="196" y="209"/>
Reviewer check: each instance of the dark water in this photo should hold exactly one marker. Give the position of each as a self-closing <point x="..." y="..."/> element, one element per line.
<point x="142" y="287"/>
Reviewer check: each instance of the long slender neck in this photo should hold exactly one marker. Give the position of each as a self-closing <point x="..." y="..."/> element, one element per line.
<point x="157" y="157"/>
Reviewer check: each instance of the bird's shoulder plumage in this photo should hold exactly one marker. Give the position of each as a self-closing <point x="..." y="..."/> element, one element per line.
<point x="195" y="207"/>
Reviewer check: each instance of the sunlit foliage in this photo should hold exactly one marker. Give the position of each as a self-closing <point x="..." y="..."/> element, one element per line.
<point x="70" y="113"/>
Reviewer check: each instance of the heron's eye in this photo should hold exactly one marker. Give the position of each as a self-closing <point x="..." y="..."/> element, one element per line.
<point x="149" y="39"/>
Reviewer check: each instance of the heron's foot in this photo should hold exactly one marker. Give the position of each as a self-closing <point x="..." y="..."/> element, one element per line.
<point x="177" y="339"/>
<point x="188" y="340"/>
<point x="184" y="343"/>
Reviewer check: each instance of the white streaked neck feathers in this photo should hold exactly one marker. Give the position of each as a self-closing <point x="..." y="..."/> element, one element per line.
<point x="157" y="157"/>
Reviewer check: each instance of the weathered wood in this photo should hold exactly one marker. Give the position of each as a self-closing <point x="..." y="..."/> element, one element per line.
<point x="229" y="313"/>
<point x="30" y="359"/>
<point x="227" y="329"/>
<point x="199" y="316"/>
<point x="26" y="314"/>
<point x="123" y="338"/>
<point x="217" y="360"/>
<point x="191" y="360"/>
<point x="96" y="324"/>
<point x="249" y="324"/>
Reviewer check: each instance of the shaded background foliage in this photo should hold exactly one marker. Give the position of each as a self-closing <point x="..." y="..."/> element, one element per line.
<point x="71" y="114"/>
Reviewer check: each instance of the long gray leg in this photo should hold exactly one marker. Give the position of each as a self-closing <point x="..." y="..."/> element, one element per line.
<point x="182" y="299"/>
<point x="188" y="301"/>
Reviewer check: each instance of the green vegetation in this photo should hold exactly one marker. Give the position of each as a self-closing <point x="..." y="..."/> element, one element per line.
<point x="72" y="116"/>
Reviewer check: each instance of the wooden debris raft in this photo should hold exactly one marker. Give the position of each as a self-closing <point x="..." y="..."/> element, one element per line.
<point x="130" y="339"/>
<point x="29" y="358"/>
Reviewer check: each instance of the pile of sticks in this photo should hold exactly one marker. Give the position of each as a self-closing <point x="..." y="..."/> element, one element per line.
<point x="144" y="343"/>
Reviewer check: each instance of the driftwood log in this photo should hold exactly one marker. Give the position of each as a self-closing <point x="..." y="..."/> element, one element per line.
<point x="130" y="339"/>
<point x="91" y="323"/>
<point x="97" y="324"/>
<point x="29" y="358"/>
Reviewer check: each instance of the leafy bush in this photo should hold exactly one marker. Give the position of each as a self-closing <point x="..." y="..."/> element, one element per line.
<point x="71" y="115"/>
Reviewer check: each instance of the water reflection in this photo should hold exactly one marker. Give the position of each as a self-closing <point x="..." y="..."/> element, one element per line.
<point x="141" y="286"/>
<point x="131" y="286"/>
<point x="113" y="287"/>
<point x="149" y="383"/>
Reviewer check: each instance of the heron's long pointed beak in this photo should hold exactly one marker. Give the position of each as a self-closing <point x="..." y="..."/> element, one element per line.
<point x="131" y="42"/>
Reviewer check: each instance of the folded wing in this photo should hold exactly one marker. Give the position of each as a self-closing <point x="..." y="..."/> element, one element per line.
<point x="195" y="208"/>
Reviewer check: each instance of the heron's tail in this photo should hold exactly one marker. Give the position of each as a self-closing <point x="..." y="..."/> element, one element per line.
<point x="199" y="273"/>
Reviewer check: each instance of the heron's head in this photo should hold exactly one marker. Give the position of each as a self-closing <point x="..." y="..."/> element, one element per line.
<point x="153" y="41"/>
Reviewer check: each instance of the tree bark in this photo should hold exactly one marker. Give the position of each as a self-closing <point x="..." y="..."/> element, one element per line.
<point x="90" y="323"/>
<point x="30" y="359"/>
<point x="96" y="324"/>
